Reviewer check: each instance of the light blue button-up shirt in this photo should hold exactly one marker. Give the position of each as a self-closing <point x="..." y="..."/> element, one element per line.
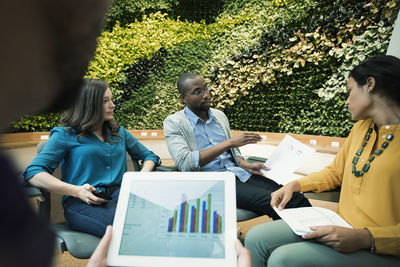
<point x="209" y="134"/>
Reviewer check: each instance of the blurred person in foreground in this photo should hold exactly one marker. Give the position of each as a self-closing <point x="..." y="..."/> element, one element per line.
<point x="45" y="50"/>
<point x="44" y="55"/>
<point x="368" y="171"/>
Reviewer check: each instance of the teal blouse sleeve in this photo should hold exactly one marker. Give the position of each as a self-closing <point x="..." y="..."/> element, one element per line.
<point x="137" y="150"/>
<point x="50" y="156"/>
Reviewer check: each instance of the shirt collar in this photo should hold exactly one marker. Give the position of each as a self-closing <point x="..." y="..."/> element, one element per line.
<point x="194" y="118"/>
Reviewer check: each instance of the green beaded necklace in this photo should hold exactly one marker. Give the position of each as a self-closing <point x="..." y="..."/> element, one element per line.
<point x="377" y="152"/>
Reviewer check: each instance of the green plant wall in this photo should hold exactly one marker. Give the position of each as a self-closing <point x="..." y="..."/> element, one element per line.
<point x="278" y="66"/>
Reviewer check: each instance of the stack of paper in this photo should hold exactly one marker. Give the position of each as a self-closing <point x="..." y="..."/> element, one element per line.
<point x="300" y="219"/>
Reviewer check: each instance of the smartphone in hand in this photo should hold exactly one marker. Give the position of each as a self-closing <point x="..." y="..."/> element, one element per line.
<point x="101" y="194"/>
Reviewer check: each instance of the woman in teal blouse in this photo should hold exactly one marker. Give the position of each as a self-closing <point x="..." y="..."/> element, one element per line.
<point x="91" y="148"/>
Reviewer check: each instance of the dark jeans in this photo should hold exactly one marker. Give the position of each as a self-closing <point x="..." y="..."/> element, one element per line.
<point x="255" y="195"/>
<point x="91" y="219"/>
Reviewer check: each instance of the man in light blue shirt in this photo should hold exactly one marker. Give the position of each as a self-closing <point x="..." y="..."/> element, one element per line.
<point x="209" y="134"/>
<point x="199" y="139"/>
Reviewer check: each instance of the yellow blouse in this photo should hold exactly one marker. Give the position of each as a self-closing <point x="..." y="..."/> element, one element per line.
<point x="371" y="201"/>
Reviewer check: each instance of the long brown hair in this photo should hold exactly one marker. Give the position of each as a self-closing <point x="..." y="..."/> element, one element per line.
<point x="87" y="114"/>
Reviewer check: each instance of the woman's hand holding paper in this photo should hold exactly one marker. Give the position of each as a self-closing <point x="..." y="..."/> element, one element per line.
<point x="341" y="238"/>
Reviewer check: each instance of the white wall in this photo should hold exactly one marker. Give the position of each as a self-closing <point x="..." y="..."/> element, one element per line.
<point x="394" y="45"/>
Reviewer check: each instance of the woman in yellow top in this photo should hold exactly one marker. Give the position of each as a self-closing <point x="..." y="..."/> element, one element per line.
<point x="367" y="169"/>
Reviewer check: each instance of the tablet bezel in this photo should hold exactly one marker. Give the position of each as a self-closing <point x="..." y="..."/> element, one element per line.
<point x="114" y="259"/>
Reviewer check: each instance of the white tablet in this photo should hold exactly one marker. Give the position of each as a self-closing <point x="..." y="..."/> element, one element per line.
<point x="175" y="219"/>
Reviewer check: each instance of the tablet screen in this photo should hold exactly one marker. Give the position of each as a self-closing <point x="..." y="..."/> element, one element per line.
<point x="177" y="219"/>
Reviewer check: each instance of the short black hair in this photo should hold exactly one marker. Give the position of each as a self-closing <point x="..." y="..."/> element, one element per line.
<point x="386" y="72"/>
<point x="182" y="79"/>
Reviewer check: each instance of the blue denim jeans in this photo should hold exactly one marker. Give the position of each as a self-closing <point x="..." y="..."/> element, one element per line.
<point x="91" y="219"/>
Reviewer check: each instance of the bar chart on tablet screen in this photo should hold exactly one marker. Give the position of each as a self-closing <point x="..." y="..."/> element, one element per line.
<point x="195" y="216"/>
<point x="184" y="218"/>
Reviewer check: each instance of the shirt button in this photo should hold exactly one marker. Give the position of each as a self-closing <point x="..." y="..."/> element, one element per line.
<point x="383" y="136"/>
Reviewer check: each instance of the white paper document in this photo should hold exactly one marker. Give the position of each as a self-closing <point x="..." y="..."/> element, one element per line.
<point x="287" y="157"/>
<point x="300" y="219"/>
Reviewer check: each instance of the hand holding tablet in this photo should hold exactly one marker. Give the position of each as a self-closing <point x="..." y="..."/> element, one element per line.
<point x="99" y="257"/>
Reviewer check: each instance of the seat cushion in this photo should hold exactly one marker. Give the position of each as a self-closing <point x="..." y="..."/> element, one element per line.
<point x="244" y="215"/>
<point x="80" y="245"/>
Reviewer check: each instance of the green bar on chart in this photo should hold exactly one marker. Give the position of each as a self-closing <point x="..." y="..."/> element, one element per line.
<point x="186" y="218"/>
<point x="174" y="223"/>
